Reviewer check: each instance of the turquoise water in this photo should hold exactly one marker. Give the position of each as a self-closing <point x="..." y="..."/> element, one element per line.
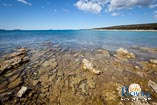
<point x="78" y="39"/>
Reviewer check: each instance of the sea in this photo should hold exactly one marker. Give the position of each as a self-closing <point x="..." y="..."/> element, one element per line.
<point x="77" y="39"/>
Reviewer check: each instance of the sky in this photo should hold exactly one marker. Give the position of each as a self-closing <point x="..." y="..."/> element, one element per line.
<point x="74" y="14"/>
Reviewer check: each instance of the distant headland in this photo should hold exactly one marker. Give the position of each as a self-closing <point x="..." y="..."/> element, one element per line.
<point x="149" y="26"/>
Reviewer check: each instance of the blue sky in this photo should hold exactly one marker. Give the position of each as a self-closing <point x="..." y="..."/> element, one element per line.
<point x="74" y="14"/>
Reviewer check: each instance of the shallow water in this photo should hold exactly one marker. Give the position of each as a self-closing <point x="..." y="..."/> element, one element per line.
<point x="71" y="77"/>
<point x="78" y="39"/>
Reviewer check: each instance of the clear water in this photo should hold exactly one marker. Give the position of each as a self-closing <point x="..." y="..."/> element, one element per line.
<point x="79" y="39"/>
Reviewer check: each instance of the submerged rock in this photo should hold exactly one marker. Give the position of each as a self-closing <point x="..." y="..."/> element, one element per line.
<point x="151" y="50"/>
<point x="153" y="85"/>
<point x="123" y="53"/>
<point x="21" y="51"/>
<point x="48" y="66"/>
<point x="13" y="59"/>
<point x="104" y="52"/>
<point x="22" y="91"/>
<point x="50" y="63"/>
<point x="15" y="83"/>
<point x="11" y="73"/>
<point x="87" y="65"/>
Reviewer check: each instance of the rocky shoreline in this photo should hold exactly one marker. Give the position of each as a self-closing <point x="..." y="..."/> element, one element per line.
<point x="55" y="76"/>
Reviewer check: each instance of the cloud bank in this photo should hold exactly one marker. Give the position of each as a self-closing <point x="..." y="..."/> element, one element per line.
<point x="24" y="2"/>
<point x="96" y="6"/>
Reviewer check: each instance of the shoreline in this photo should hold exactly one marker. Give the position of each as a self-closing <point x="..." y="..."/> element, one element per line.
<point x="125" y="30"/>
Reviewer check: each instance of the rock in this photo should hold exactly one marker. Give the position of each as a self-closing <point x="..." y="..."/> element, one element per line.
<point x="151" y="50"/>
<point x="154" y="61"/>
<point x="91" y="83"/>
<point x="119" y="89"/>
<point x="3" y="86"/>
<point x="22" y="91"/>
<point x="105" y="52"/>
<point x="48" y="66"/>
<point x="35" y="82"/>
<point x="50" y="63"/>
<point x="13" y="59"/>
<point x="8" y="64"/>
<point x="110" y="97"/>
<point x="83" y="87"/>
<point x="19" y="52"/>
<point x="154" y="103"/>
<point x="4" y="66"/>
<point x="153" y="85"/>
<point x="87" y="65"/>
<point x="15" y="83"/>
<point x="137" y="67"/>
<point x="123" y="53"/>
<point x="22" y="50"/>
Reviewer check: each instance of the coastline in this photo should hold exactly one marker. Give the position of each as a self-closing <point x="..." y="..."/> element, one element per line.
<point x="124" y="30"/>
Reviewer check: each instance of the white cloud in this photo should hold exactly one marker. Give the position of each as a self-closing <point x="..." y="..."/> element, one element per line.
<point x="24" y="2"/>
<point x="126" y="4"/>
<point x="96" y="6"/>
<point x="89" y="5"/>
<point x="115" y="14"/>
<point x="153" y="6"/>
